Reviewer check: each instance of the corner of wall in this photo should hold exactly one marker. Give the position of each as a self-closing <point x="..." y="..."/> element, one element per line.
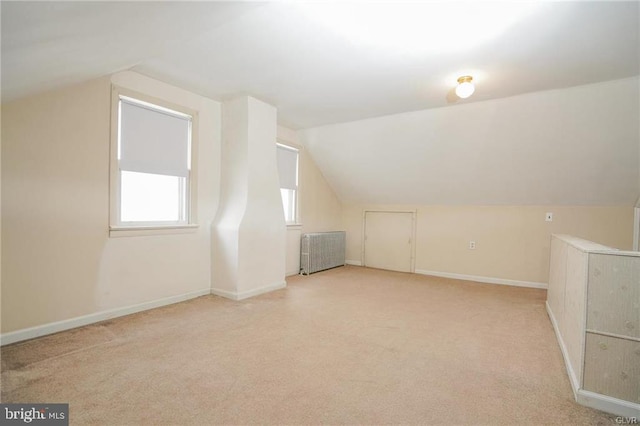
<point x="320" y="208"/>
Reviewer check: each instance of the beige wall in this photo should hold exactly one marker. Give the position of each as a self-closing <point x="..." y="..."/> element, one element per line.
<point x="319" y="208"/>
<point x="59" y="262"/>
<point x="512" y="242"/>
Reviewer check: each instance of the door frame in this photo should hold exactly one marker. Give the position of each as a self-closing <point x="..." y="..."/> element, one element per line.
<point x="636" y="227"/>
<point x="413" y="213"/>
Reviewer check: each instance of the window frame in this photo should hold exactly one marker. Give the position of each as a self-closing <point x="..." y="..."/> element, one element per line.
<point x="125" y="229"/>
<point x="296" y="204"/>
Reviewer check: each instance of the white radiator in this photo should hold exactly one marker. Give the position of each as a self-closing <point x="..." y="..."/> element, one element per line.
<point x="321" y="250"/>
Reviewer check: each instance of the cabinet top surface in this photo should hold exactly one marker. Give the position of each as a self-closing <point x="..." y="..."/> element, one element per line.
<point x="591" y="247"/>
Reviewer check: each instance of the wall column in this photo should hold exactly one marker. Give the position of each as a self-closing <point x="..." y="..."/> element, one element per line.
<point x="249" y="233"/>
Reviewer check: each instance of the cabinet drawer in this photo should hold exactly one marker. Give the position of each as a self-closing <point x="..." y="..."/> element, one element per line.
<point x="612" y="367"/>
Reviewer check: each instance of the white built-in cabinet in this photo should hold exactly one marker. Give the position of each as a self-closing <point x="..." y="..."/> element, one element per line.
<point x="593" y="301"/>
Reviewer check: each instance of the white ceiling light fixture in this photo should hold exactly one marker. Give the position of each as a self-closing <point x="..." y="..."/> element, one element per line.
<point x="465" y="87"/>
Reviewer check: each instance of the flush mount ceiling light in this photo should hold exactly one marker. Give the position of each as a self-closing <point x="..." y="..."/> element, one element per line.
<point x="465" y="87"/>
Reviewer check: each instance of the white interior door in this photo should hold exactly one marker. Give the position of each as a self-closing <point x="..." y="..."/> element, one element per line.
<point x="388" y="240"/>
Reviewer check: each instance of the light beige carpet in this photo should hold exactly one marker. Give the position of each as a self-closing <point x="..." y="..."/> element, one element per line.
<point x="346" y="346"/>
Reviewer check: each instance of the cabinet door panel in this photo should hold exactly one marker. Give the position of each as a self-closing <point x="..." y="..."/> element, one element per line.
<point x="614" y="295"/>
<point x="612" y="367"/>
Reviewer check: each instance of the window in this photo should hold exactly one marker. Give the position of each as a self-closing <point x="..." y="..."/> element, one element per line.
<point x="151" y="178"/>
<point x="288" y="171"/>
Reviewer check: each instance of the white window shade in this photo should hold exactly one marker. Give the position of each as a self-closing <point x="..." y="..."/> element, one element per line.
<point x="288" y="167"/>
<point x="153" y="141"/>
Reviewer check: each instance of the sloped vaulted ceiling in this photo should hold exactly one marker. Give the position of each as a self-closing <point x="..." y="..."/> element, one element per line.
<point x="48" y="44"/>
<point x="576" y="146"/>
<point x="531" y="134"/>
<point x="328" y="63"/>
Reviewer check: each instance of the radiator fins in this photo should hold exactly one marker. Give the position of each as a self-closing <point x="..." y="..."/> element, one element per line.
<point x="321" y="250"/>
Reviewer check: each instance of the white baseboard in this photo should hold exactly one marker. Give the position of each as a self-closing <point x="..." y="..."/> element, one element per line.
<point x="224" y="293"/>
<point x="608" y="404"/>
<point x="55" y="327"/>
<point x="488" y="280"/>
<point x="573" y="378"/>
<point x="250" y="293"/>
<point x="353" y="262"/>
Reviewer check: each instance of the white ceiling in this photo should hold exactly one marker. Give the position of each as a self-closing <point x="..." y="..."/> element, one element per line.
<point x="313" y="73"/>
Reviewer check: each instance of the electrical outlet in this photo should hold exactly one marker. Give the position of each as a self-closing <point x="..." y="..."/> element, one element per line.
<point x="472" y="245"/>
<point x="549" y="217"/>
